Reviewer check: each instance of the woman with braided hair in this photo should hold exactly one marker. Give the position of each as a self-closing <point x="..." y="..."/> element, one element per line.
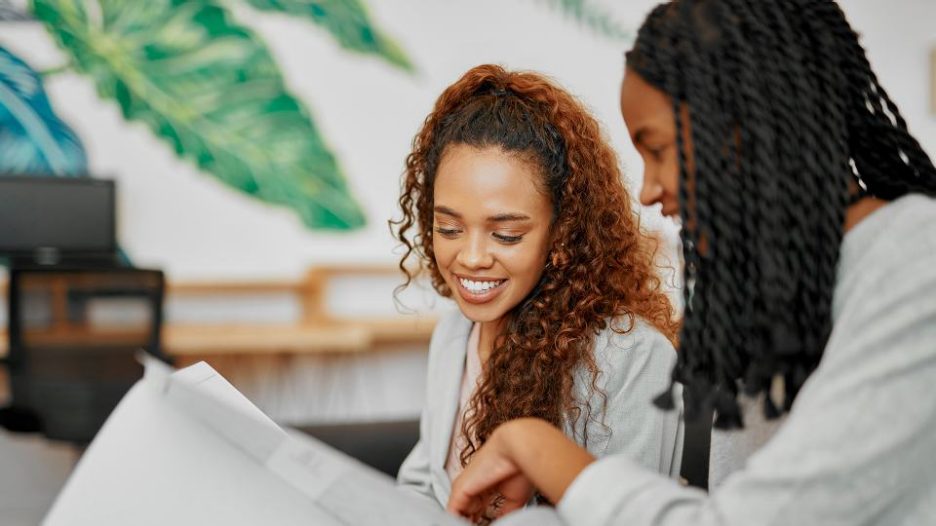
<point x="513" y="202"/>
<point x="807" y="214"/>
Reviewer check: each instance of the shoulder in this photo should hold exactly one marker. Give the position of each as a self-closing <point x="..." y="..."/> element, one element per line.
<point x="888" y="259"/>
<point x="624" y="350"/>
<point x="910" y="237"/>
<point x="896" y="236"/>
<point x="453" y="327"/>
<point x="885" y="293"/>
<point x="624" y="337"/>
<point x="451" y="322"/>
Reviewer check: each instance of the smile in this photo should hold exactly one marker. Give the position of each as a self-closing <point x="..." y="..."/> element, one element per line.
<point x="479" y="290"/>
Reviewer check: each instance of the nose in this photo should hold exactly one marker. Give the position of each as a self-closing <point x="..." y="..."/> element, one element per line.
<point x="476" y="254"/>
<point x="651" y="191"/>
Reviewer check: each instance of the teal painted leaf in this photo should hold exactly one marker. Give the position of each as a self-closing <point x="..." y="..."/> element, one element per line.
<point x="592" y="16"/>
<point x="347" y="21"/>
<point x="210" y="89"/>
<point x="33" y="140"/>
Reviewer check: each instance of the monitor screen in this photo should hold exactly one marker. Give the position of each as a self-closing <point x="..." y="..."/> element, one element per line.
<point x="69" y="215"/>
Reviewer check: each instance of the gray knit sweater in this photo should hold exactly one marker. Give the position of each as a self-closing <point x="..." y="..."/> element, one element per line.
<point x="859" y="446"/>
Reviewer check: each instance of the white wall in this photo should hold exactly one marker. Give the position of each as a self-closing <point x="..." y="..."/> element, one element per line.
<point x="899" y="36"/>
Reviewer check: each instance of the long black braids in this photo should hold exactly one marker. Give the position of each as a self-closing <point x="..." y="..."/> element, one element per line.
<point x="787" y="120"/>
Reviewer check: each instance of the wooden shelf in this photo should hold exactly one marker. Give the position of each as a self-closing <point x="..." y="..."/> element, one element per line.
<point x="206" y="340"/>
<point x="337" y="337"/>
<point x="316" y="332"/>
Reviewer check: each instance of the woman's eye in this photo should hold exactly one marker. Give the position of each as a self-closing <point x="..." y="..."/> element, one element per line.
<point x="657" y="153"/>
<point x="504" y="238"/>
<point x="446" y="232"/>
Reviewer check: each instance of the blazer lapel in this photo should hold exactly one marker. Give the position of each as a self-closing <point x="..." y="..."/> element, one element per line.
<point x="451" y="367"/>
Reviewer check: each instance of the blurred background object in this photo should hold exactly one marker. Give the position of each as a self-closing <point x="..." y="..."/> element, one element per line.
<point x="74" y="337"/>
<point x="933" y="81"/>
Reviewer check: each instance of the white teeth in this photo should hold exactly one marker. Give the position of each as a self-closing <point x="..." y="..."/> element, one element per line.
<point x="479" y="286"/>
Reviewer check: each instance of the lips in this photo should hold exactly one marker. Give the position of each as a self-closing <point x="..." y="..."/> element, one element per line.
<point x="479" y="290"/>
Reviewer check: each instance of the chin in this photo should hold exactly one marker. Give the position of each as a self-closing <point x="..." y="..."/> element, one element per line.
<point x="480" y="314"/>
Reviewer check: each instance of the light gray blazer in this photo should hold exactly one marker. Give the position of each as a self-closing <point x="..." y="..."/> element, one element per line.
<point x="635" y="367"/>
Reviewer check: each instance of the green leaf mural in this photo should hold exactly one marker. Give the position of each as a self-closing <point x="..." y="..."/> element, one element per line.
<point x="211" y="89"/>
<point x="347" y="21"/>
<point x="592" y="16"/>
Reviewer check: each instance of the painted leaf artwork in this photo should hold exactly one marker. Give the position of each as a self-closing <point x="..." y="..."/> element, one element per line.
<point x="210" y="89"/>
<point x="347" y="21"/>
<point x="33" y="140"/>
<point x="592" y="16"/>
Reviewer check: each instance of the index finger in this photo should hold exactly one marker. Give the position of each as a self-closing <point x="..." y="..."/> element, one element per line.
<point x="464" y="503"/>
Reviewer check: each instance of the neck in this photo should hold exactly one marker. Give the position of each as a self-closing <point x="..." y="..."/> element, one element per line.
<point x="857" y="212"/>
<point x="487" y="338"/>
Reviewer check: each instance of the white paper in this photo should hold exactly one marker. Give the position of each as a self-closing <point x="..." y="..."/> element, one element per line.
<point x="308" y="469"/>
<point x="188" y="448"/>
<point x="202" y="393"/>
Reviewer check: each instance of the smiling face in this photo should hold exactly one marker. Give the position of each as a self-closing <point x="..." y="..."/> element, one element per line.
<point x="648" y="114"/>
<point x="491" y="227"/>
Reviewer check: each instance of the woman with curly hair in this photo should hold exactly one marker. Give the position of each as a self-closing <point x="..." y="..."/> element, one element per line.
<point x="513" y="202"/>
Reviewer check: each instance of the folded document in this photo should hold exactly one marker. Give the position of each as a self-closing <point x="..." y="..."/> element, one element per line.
<point x="185" y="447"/>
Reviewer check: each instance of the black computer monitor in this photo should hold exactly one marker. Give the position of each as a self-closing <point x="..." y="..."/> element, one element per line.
<point x="51" y="218"/>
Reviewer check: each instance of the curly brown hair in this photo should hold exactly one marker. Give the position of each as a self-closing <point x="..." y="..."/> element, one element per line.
<point x="600" y="265"/>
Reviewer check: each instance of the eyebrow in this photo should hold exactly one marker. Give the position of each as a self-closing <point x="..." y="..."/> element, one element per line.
<point x="447" y="211"/>
<point x="508" y="217"/>
<point x="499" y="218"/>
